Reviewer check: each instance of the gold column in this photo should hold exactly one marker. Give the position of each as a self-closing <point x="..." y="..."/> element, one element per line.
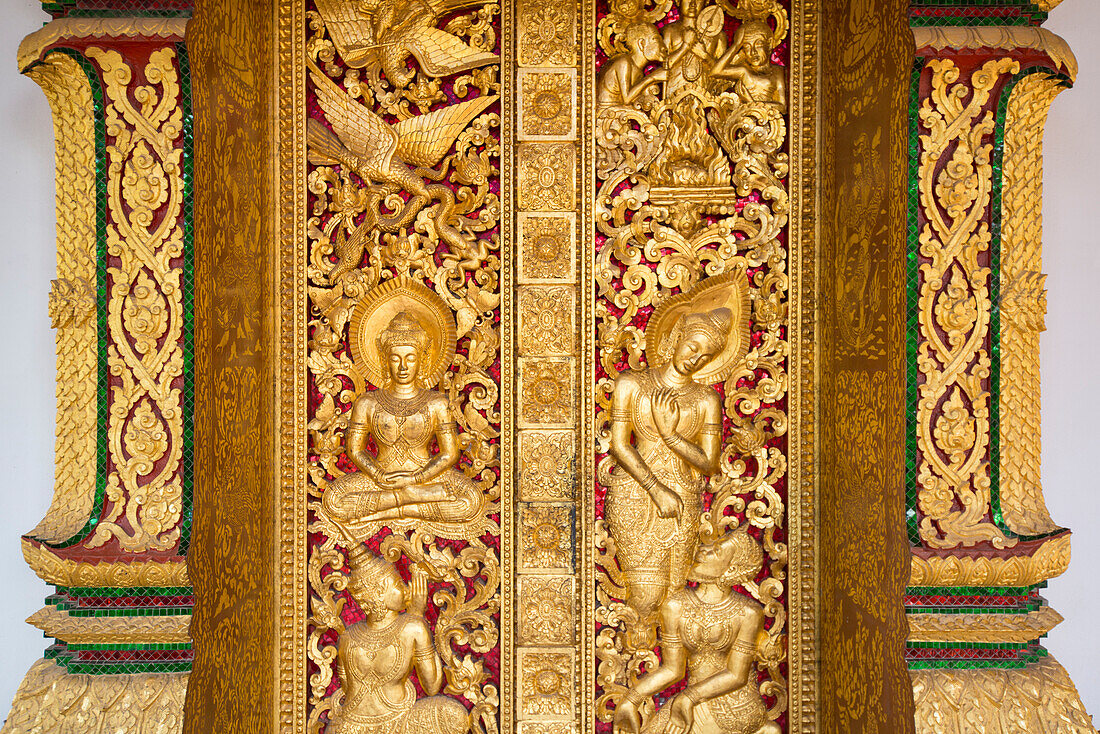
<point x="984" y="540"/>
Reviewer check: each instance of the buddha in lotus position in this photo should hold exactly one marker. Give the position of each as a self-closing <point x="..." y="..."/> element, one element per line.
<point x="404" y="479"/>
<point x="376" y="658"/>
<point x="708" y="633"/>
<point x="666" y="440"/>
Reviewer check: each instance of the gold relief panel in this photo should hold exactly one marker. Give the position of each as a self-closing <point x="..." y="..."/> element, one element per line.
<point x="547" y="321"/>
<point x="547" y="463"/>
<point x="547" y="33"/>
<point x="546" y="538"/>
<point x="547" y="392"/>
<point x="549" y="727"/>
<point x="547" y="684"/>
<point x="547" y="247"/>
<point x="546" y="610"/>
<point x="548" y="109"/>
<point x="547" y="173"/>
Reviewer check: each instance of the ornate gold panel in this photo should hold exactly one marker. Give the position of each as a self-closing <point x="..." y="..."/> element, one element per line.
<point x="509" y="319"/>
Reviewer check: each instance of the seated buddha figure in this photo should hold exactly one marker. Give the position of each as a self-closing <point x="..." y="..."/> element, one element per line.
<point x="376" y="657"/>
<point x="708" y="633"/>
<point x="404" y="479"/>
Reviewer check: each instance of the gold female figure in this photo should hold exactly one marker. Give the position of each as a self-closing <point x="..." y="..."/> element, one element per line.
<point x="404" y="479"/>
<point x="376" y="657"/>
<point x="708" y="633"/>
<point x="666" y="439"/>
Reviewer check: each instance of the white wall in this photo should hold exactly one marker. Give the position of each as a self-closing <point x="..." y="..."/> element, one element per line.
<point x="1071" y="350"/>
<point x="27" y="262"/>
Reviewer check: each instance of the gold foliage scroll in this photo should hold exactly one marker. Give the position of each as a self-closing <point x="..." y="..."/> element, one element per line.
<point x="955" y="181"/>
<point x="145" y="310"/>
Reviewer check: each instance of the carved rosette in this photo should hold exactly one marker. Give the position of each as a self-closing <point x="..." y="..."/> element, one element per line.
<point x="115" y="538"/>
<point x="983" y="541"/>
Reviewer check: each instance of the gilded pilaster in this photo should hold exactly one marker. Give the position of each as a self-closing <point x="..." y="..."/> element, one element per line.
<point x="114" y="539"/>
<point x="983" y="541"/>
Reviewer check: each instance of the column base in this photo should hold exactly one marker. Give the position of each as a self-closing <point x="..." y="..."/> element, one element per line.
<point x="52" y="700"/>
<point x="1039" y="697"/>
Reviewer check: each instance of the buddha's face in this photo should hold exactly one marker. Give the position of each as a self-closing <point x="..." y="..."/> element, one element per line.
<point x="404" y="365"/>
<point x="756" y="52"/>
<point x="692" y="352"/>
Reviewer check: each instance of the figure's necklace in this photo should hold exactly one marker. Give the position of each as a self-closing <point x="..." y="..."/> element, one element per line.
<point x="402" y="407"/>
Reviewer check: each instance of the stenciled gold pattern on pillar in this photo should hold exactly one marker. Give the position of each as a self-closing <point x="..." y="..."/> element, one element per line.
<point x="145" y="315"/>
<point x="72" y="301"/>
<point x="404" y="284"/>
<point x="1023" y="304"/>
<point x="692" y="289"/>
<point x="955" y="181"/>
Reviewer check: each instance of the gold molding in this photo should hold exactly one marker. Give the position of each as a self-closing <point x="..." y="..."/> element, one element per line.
<point x="64" y="572"/>
<point x="72" y="297"/>
<point x="1023" y="304"/>
<point x="1005" y="38"/>
<point x="1049" y="560"/>
<point x="60" y="625"/>
<point x="1038" y="698"/>
<point x="982" y="627"/>
<point x="49" y="699"/>
<point x="31" y="47"/>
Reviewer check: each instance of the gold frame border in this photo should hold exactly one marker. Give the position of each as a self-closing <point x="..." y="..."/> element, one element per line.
<point x="289" y="178"/>
<point x="803" y="236"/>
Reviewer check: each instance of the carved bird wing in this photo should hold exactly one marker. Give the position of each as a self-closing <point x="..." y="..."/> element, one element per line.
<point x="350" y="29"/>
<point x="443" y="8"/>
<point x="441" y="53"/>
<point x="364" y="133"/>
<point x="424" y="139"/>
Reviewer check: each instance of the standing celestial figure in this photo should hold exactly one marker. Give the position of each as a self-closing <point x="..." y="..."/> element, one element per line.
<point x="708" y="633"/>
<point x="666" y="439"/>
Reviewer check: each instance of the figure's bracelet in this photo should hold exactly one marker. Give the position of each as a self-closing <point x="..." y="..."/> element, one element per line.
<point x="674" y="440"/>
<point x="692" y="695"/>
<point x="649" y="482"/>
<point x="633" y="697"/>
<point x="744" y="648"/>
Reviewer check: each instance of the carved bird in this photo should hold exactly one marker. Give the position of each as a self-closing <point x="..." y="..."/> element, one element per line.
<point x="387" y="32"/>
<point x="380" y="153"/>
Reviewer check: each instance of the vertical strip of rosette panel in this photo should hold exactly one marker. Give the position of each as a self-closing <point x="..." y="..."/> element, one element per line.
<point x="408" y="252"/>
<point x="688" y="255"/>
<point x="983" y="542"/>
<point x="114" y="540"/>
<point x="551" y="384"/>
